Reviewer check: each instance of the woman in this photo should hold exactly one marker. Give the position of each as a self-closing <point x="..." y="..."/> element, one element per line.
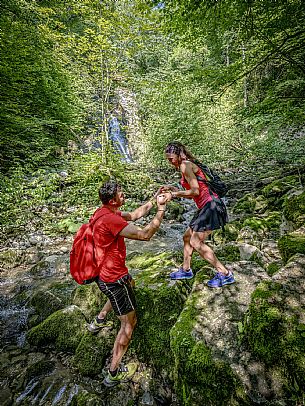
<point x="211" y="215"/>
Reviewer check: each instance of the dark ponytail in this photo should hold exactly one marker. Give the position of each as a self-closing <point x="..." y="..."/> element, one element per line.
<point x="175" y="147"/>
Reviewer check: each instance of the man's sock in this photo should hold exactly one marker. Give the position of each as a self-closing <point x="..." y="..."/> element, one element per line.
<point x="113" y="373"/>
<point x="98" y="320"/>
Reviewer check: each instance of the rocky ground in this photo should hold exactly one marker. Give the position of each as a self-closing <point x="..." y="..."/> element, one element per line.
<point x="243" y="344"/>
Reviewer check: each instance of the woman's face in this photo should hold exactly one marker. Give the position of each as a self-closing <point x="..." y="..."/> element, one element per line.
<point x="174" y="159"/>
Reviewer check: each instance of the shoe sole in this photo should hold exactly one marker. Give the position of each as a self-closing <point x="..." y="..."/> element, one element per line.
<point x="95" y="329"/>
<point x="224" y="284"/>
<point x="182" y="277"/>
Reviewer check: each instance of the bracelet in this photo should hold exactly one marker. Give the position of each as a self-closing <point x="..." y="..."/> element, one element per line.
<point x="160" y="210"/>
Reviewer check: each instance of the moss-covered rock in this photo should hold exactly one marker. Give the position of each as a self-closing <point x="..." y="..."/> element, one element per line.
<point x="274" y="267"/>
<point x="196" y="367"/>
<point x="9" y="258"/>
<point x="230" y="233"/>
<point x="159" y="303"/>
<point x="275" y="330"/>
<point x="281" y="186"/>
<point x="85" y="398"/>
<point x="248" y="236"/>
<point x="89" y="299"/>
<point x="294" y="208"/>
<point x="228" y="252"/>
<point x="45" y="303"/>
<point x="264" y="224"/>
<point x="292" y="244"/>
<point x="245" y="205"/>
<point x="92" y="351"/>
<point x="64" y="328"/>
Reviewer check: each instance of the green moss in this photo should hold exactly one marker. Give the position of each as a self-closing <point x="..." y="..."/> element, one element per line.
<point x="273" y="268"/>
<point x="281" y="186"/>
<point x="291" y="244"/>
<point x="157" y="311"/>
<point x="245" y="205"/>
<point x="195" y="368"/>
<point x="267" y="223"/>
<point x="89" y="299"/>
<point x="294" y="209"/>
<point x="228" y="252"/>
<point x="64" y="328"/>
<point x="159" y="304"/>
<point x="45" y="303"/>
<point x="91" y="353"/>
<point x="10" y="258"/>
<point x="85" y="398"/>
<point x="257" y="257"/>
<point x="230" y="234"/>
<point x="276" y="335"/>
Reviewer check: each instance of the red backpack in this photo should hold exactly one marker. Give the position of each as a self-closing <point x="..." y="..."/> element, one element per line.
<point x="82" y="261"/>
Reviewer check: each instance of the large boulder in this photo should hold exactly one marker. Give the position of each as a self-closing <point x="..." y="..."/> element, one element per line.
<point x="64" y="329"/>
<point x="210" y="366"/>
<point x="274" y="329"/>
<point x="160" y="302"/>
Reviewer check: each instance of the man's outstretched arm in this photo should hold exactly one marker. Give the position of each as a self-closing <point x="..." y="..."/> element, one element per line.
<point x="144" y="209"/>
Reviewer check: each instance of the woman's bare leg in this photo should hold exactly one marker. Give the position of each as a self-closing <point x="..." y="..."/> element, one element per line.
<point x="187" y="250"/>
<point x="197" y="241"/>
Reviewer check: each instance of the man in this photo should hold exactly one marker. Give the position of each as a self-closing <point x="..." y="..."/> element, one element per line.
<point x="114" y="281"/>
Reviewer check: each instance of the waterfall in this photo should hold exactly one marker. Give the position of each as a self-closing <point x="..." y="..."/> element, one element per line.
<point x="119" y="140"/>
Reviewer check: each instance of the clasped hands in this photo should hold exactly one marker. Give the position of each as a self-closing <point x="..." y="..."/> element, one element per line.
<point x="164" y="195"/>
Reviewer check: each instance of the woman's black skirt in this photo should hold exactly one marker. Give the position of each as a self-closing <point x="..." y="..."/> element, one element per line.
<point x="211" y="216"/>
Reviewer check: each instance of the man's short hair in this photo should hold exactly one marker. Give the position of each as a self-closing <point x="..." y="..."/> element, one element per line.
<point x="108" y="191"/>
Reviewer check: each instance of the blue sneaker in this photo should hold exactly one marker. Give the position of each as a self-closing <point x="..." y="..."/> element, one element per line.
<point x="181" y="274"/>
<point x="221" y="280"/>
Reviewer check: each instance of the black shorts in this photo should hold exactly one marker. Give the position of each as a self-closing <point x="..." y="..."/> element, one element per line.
<point x="211" y="216"/>
<point x="120" y="294"/>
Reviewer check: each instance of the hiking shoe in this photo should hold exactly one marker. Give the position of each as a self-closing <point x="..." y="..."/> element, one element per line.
<point x="181" y="274"/>
<point x="124" y="374"/>
<point x="97" y="324"/>
<point x="221" y="280"/>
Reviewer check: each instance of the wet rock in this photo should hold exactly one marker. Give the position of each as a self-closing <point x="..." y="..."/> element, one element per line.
<point x="6" y="396"/>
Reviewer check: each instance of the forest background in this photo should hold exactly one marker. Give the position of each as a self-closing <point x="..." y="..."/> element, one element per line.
<point x="227" y="78"/>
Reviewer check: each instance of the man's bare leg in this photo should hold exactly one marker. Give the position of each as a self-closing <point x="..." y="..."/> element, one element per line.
<point x="128" y="323"/>
<point x="105" y="310"/>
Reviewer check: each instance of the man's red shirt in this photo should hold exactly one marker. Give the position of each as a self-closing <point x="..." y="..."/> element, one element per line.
<point x="110" y="248"/>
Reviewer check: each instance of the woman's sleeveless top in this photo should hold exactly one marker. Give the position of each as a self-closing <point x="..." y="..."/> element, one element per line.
<point x="204" y="193"/>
